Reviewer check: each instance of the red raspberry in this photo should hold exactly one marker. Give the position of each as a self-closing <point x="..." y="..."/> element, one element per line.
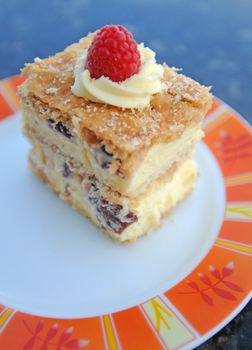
<point x="113" y="54"/>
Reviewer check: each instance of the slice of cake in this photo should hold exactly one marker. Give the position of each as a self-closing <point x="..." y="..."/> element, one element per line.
<point x="113" y="132"/>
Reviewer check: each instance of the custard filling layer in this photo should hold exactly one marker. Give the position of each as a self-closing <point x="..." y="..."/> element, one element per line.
<point x="157" y="160"/>
<point x="121" y="217"/>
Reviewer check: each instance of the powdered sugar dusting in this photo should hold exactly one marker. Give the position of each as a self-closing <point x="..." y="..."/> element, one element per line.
<point x="51" y="90"/>
<point x="126" y="130"/>
<point x="135" y="141"/>
<point x="132" y="128"/>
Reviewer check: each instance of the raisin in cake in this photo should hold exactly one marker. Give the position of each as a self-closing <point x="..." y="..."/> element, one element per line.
<point x="123" y="168"/>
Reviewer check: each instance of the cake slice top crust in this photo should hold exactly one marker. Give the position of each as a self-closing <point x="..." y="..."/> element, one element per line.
<point x="47" y="89"/>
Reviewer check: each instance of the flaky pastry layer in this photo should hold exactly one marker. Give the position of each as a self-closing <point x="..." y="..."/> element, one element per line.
<point x="124" y="132"/>
<point x="160" y="158"/>
<point x="122" y="218"/>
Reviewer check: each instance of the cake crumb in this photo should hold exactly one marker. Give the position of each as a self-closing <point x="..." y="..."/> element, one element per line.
<point x="51" y="90"/>
<point x="135" y="141"/>
<point x="177" y="98"/>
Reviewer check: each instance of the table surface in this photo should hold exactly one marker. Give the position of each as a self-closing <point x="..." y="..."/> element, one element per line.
<point x="210" y="40"/>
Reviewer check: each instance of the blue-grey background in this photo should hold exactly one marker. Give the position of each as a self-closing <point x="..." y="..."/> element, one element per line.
<point x="210" y="39"/>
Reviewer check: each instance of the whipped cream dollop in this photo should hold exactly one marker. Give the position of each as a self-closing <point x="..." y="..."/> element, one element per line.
<point x="134" y="92"/>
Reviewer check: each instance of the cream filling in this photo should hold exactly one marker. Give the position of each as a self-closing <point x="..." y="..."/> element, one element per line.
<point x="156" y="162"/>
<point x="149" y="207"/>
<point x="68" y="188"/>
<point x="134" y="92"/>
<point x="164" y="197"/>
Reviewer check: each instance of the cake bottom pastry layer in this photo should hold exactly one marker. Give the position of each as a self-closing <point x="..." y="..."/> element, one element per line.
<point x="120" y="217"/>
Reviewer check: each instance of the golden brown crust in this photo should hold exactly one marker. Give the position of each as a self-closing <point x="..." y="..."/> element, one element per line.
<point x="48" y="89"/>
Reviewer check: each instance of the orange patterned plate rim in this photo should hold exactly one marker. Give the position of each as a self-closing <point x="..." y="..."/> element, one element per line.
<point x="199" y="305"/>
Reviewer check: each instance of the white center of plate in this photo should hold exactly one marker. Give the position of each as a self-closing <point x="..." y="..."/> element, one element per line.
<point x="55" y="263"/>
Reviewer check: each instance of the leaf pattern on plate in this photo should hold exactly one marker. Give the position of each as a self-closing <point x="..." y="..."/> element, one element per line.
<point x="53" y="339"/>
<point x="232" y="149"/>
<point x="207" y="299"/>
<point x="220" y="278"/>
